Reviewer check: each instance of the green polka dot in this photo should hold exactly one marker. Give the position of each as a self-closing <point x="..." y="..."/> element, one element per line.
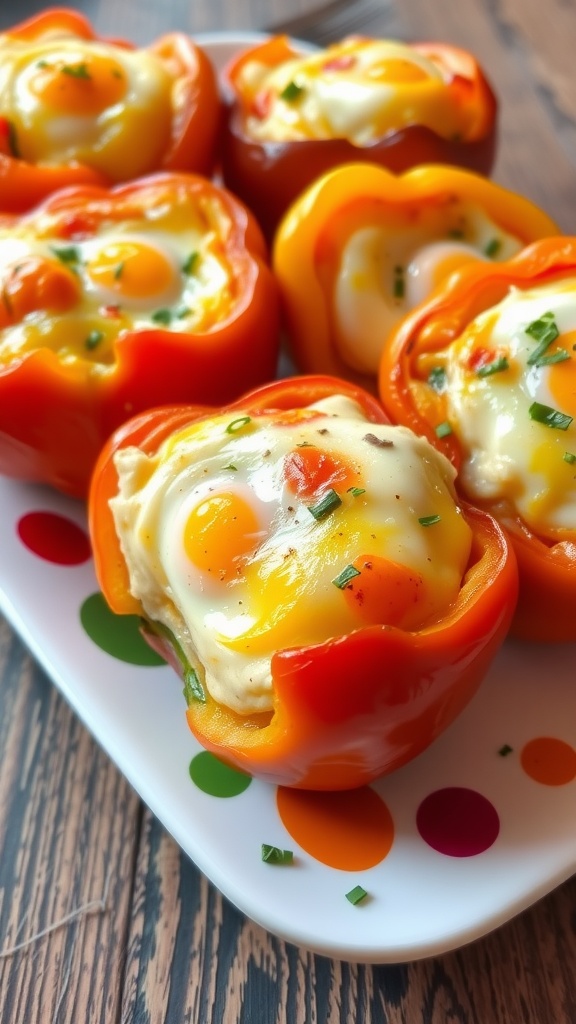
<point x="118" y="635"/>
<point x="214" y="777"/>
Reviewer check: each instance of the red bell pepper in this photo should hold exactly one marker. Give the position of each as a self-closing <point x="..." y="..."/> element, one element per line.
<point x="410" y="393"/>
<point x="82" y="344"/>
<point x="270" y="171"/>
<point x="174" y="126"/>
<point x="351" y="707"/>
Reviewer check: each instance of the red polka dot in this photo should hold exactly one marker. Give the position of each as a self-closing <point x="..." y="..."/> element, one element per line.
<point x="458" y="822"/>
<point x="54" y="538"/>
<point x="352" y="830"/>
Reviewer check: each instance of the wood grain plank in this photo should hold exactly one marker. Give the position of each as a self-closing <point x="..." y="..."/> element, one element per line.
<point x="68" y="827"/>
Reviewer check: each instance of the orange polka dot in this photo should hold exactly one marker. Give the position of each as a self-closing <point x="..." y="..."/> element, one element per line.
<point x="351" y="830"/>
<point x="549" y="761"/>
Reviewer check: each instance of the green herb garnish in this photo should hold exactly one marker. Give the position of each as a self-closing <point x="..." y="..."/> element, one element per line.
<point x="429" y="520"/>
<point x="237" y="424"/>
<point x="93" y="339"/>
<point x="66" y="253"/>
<point x="496" y="366"/>
<point x="193" y="690"/>
<point x="443" y="429"/>
<point x="292" y="92"/>
<point x="119" y="271"/>
<point x="347" y="574"/>
<point x="544" y="331"/>
<point x="356" y="895"/>
<point x="356" y="491"/>
<point x="232" y="467"/>
<point x="398" y="287"/>
<point x="559" y="356"/>
<point x="189" y="265"/>
<point x="274" y="855"/>
<point x="569" y="457"/>
<point x="326" y="505"/>
<point x="162" y="316"/>
<point x="493" y="248"/>
<point x="437" y="378"/>
<point x="76" y="70"/>
<point x="549" y="417"/>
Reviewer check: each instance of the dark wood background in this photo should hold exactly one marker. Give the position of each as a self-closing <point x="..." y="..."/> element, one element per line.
<point x="157" y="943"/>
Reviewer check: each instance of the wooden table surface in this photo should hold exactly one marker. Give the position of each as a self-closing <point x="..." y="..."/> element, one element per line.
<point x="156" y="942"/>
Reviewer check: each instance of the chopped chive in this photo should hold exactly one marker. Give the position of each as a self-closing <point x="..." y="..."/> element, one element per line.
<point x="232" y="467"/>
<point x="544" y="331"/>
<point x="356" y="491"/>
<point x="189" y="265"/>
<point x="93" y="339"/>
<point x="505" y="750"/>
<point x="292" y="92"/>
<point x="496" y="366"/>
<point x="326" y="505"/>
<point x="347" y="574"/>
<point x="193" y="689"/>
<point x="237" y="424"/>
<point x="569" y="457"/>
<point x="162" y="316"/>
<point x="429" y="520"/>
<point x="119" y="271"/>
<point x="66" y="253"/>
<point x="493" y="248"/>
<point x="305" y="444"/>
<point x="398" y="287"/>
<point x="443" y="429"/>
<point x="274" y="855"/>
<point x="559" y="356"/>
<point x="356" y="895"/>
<point x="549" y="417"/>
<point x="182" y="312"/>
<point x="76" y="70"/>
<point x="437" y="378"/>
<point x="42" y="64"/>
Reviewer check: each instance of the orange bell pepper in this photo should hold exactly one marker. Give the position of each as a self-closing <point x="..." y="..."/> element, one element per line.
<point x="354" y="706"/>
<point x="117" y="300"/>
<point x="443" y="111"/>
<point x="416" y="384"/>
<point x="361" y="246"/>
<point x="87" y="120"/>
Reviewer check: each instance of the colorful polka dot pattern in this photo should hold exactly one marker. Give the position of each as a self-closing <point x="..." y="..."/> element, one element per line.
<point x="348" y="831"/>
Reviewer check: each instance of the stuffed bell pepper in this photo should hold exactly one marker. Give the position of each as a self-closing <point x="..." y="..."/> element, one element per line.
<point x="487" y="371"/>
<point x="75" y="108"/>
<point x="362" y="246"/>
<point x="306" y="566"/>
<point x="112" y="301"/>
<point x="292" y="116"/>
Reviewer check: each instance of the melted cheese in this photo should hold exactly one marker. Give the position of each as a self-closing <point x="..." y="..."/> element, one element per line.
<point x="167" y="269"/>
<point x="511" y="457"/>
<point x="223" y="549"/>
<point x="386" y="269"/>
<point x="357" y="89"/>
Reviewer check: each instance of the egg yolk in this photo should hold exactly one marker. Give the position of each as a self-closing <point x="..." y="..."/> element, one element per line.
<point x="133" y="269"/>
<point x="397" y="70"/>
<point x="85" y="86"/>
<point x="219" y="532"/>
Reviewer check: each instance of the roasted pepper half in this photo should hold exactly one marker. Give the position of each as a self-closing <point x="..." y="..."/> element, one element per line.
<point x="306" y="568"/>
<point x="487" y="371"/>
<point x="112" y="301"/>
<point x="75" y="108"/>
<point x="294" y="116"/>
<point x="362" y="246"/>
